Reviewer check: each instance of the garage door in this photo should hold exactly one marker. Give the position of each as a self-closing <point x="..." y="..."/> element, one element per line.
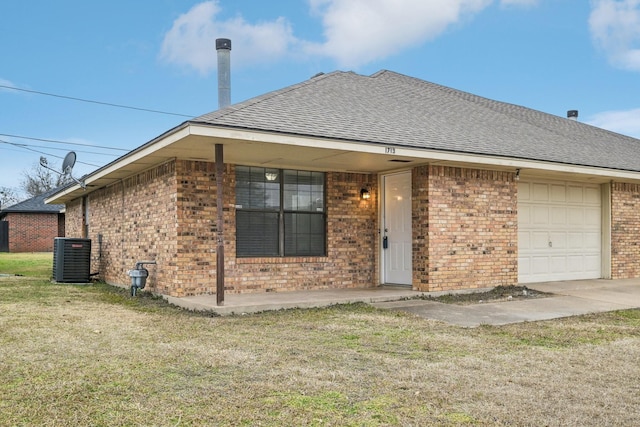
<point x="559" y="231"/>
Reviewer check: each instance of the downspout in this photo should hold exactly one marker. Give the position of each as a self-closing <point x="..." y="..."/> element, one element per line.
<point x="223" y="47"/>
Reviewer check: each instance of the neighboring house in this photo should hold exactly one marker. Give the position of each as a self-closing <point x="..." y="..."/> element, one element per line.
<point x="464" y="192"/>
<point x="32" y="224"/>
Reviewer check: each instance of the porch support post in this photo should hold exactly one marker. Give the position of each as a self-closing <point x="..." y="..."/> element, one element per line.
<point x="220" y="224"/>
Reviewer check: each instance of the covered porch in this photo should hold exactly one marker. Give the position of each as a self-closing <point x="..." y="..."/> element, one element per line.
<point x="567" y="298"/>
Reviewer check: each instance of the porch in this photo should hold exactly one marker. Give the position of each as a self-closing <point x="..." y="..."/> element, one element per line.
<point x="269" y="301"/>
<point x="569" y="298"/>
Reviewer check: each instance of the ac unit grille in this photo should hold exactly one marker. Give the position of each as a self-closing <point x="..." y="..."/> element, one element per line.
<point x="71" y="260"/>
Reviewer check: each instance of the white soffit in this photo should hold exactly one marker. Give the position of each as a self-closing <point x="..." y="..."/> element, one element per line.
<point x="415" y="155"/>
<point x="195" y="141"/>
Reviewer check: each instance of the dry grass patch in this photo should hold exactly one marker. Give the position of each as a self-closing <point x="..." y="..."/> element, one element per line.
<point x="497" y="294"/>
<point x="91" y="355"/>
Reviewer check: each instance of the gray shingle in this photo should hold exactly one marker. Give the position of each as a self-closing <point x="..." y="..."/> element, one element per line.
<point x="392" y="109"/>
<point x="35" y="205"/>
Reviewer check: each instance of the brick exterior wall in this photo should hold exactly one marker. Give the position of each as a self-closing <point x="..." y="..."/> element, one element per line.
<point x="420" y="227"/>
<point x="471" y="218"/>
<point x="168" y="214"/>
<point x="196" y="232"/>
<point x="464" y="232"/>
<point x="625" y="230"/>
<point x="352" y="247"/>
<point x="33" y="232"/>
<point x="136" y="218"/>
<point x="73" y="219"/>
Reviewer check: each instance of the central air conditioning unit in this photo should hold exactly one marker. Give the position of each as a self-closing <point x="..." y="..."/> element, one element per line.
<point x="71" y="260"/>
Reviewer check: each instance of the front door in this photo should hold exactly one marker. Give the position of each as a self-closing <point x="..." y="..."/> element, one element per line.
<point x="396" y="234"/>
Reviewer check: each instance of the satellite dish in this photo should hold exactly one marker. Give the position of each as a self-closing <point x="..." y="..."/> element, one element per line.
<point x="68" y="163"/>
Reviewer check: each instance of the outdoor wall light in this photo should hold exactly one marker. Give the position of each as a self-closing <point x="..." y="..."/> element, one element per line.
<point x="365" y="194"/>
<point x="517" y="174"/>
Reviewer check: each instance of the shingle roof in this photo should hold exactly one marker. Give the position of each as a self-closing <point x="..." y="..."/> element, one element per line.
<point x="35" y="205"/>
<point x="393" y="109"/>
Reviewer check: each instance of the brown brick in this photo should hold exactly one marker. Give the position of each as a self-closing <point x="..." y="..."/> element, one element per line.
<point x="168" y="214"/>
<point x="33" y="232"/>
<point x="464" y="232"/>
<point x="625" y="230"/>
<point x="467" y="220"/>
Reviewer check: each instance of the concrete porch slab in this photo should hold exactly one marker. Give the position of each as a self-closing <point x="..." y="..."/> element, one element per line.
<point x="570" y="298"/>
<point x="267" y="301"/>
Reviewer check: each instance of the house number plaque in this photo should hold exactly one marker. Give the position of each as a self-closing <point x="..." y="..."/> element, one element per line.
<point x="389" y="150"/>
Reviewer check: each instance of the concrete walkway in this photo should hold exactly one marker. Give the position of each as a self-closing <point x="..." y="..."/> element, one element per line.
<point x="569" y="299"/>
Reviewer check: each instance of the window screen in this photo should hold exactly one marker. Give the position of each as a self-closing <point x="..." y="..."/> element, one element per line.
<point x="279" y="212"/>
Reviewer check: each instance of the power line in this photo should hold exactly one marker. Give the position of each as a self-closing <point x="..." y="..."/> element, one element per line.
<point x="95" y="102"/>
<point x="41" y="152"/>
<point x="65" y="149"/>
<point x="64" y="142"/>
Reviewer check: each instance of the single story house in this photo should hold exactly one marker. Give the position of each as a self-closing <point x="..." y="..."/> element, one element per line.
<point x="31" y="225"/>
<point x="346" y="181"/>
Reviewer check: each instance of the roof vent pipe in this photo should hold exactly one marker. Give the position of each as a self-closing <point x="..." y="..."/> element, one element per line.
<point x="223" y="46"/>
<point x="572" y="114"/>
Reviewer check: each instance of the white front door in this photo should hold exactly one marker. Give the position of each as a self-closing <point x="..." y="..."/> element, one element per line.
<point x="396" y="232"/>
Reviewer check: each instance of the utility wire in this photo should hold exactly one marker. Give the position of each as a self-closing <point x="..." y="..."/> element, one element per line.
<point x="64" y="142"/>
<point x="41" y="152"/>
<point x="65" y="149"/>
<point x="95" y="102"/>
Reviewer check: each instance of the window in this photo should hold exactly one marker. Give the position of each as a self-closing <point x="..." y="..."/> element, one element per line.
<point x="279" y="212"/>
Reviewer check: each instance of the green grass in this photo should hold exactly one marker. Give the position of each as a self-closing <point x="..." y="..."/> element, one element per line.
<point x="92" y="355"/>
<point x="38" y="264"/>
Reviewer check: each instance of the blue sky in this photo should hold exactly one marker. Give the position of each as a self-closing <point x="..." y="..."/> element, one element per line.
<point x="550" y="55"/>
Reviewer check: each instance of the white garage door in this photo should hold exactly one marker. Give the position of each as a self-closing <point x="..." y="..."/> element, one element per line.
<point x="559" y="231"/>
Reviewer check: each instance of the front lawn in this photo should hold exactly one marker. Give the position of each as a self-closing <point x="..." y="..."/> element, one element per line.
<point x="92" y="355"/>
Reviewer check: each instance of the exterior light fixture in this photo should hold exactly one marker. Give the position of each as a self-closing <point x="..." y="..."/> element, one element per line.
<point x="365" y="194"/>
<point x="517" y="174"/>
<point x="271" y="176"/>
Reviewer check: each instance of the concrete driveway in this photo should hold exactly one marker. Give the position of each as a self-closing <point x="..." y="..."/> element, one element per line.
<point x="569" y="298"/>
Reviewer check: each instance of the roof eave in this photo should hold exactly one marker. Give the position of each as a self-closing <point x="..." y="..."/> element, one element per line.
<point x="76" y="190"/>
<point x="144" y="156"/>
<point x="425" y="155"/>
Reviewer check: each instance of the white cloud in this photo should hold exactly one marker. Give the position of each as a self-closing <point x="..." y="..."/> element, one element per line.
<point x="7" y="83"/>
<point x="519" y="2"/>
<point x="191" y="39"/>
<point x="615" y="28"/>
<point x="360" y="31"/>
<point x="356" y="32"/>
<point x="625" y="122"/>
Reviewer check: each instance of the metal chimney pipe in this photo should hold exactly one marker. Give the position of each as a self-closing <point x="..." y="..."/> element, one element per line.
<point x="223" y="46"/>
